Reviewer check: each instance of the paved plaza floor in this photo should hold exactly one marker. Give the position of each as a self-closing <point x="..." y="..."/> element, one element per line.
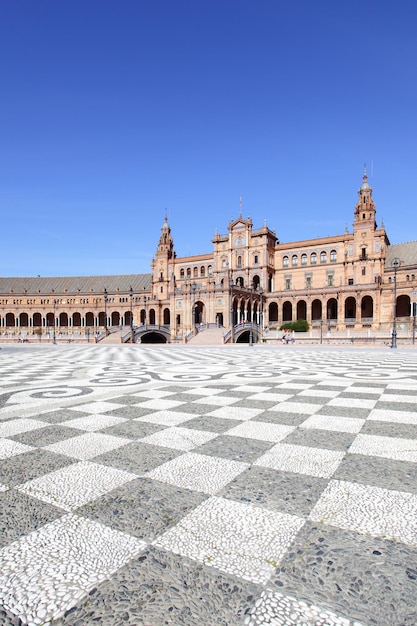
<point x="235" y="485"/>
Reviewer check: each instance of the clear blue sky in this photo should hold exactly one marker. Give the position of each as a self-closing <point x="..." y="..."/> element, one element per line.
<point x="113" y="112"/>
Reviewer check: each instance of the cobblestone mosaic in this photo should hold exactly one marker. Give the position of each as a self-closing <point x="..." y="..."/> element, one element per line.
<point x="233" y="486"/>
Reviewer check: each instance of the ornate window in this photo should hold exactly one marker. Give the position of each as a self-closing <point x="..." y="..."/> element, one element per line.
<point x="285" y="261"/>
<point x="313" y="258"/>
<point x="303" y="259"/>
<point x="333" y="256"/>
<point x="294" y="260"/>
<point x="323" y="257"/>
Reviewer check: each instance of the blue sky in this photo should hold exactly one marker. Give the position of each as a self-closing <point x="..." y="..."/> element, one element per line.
<point x="112" y="113"/>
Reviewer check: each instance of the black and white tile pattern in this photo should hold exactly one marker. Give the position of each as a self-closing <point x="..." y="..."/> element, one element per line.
<point x="153" y="485"/>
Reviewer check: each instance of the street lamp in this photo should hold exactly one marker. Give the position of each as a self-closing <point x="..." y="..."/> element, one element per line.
<point x="106" y="296"/>
<point x="54" y="335"/>
<point x="261" y="311"/>
<point x="395" y="264"/>
<point x="131" y="314"/>
<point x="251" y="318"/>
<point x="232" y="336"/>
<point x="193" y="288"/>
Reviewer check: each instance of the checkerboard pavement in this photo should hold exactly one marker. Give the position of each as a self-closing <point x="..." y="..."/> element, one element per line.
<point x="169" y="485"/>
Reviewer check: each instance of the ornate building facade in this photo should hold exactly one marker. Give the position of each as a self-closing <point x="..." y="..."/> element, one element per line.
<point x="348" y="281"/>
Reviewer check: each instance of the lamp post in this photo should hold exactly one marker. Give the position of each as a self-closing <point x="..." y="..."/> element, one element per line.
<point x="106" y="295"/>
<point x="131" y="314"/>
<point x="395" y="264"/>
<point x="193" y="288"/>
<point x="232" y="336"/>
<point x="414" y="308"/>
<point x="251" y="318"/>
<point x="261" y="312"/>
<point x="53" y="332"/>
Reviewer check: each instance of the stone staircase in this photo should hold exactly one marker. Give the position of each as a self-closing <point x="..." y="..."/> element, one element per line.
<point x="113" y="338"/>
<point x="208" y="337"/>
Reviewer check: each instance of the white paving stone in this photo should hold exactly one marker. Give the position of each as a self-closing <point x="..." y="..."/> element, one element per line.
<point x="353" y="403"/>
<point x="263" y="431"/>
<point x="216" y="400"/>
<point x="9" y="448"/>
<point x="97" y="407"/>
<point x="17" y="426"/>
<point x="397" y="417"/>
<point x="334" y="423"/>
<point x="296" y="407"/>
<point x="94" y="422"/>
<point x="58" y="564"/>
<point x="302" y="460"/>
<point x="235" y="413"/>
<point x="198" y="472"/>
<point x="398" y="397"/>
<point x="159" y="404"/>
<point x="75" y="485"/>
<point x="236" y="538"/>
<point x="368" y="509"/>
<point x="166" y="418"/>
<point x="387" y="447"/>
<point x="87" y="446"/>
<point x="319" y="393"/>
<point x="179" y="438"/>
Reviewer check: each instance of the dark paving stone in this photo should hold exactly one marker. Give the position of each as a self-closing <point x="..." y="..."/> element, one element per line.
<point x="315" y="438"/>
<point x="137" y="457"/>
<point x="160" y="589"/>
<point x="211" y="424"/>
<point x="378" y="471"/>
<point x="130" y="411"/>
<point x="343" y="411"/>
<point x="396" y="406"/>
<point x="235" y="448"/>
<point x="29" y="465"/>
<point x="389" y="429"/>
<point x="20" y="515"/>
<point x="61" y="415"/>
<point x="47" y="436"/>
<point x="351" y="574"/>
<point x="279" y="417"/>
<point x="132" y="429"/>
<point x="143" y="508"/>
<point x="295" y="494"/>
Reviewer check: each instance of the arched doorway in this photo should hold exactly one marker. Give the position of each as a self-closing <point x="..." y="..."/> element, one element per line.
<point x="367" y="308"/>
<point x="37" y="319"/>
<point x="273" y="312"/>
<point x="23" y="319"/>
<point x="350" y="309"/>
<point x="152" y="317"/>
<point x="89" y="319"/>
<point x="10" y="319"/>
<point x="301" y="310"/>
<point x="167" y="317"/>
<point x="76" y="319"/>
<point x="403" y="306"/>
<point x="331" y="309"/>
<point x="287" y="311"/>
<point x="316" y="310"/>
<point x="115" y="318"/>
<point x="63" y="319"/>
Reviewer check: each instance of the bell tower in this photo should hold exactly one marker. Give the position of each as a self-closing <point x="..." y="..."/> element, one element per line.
<point x="161" y="264"/>
<point x="365" y="210"/>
